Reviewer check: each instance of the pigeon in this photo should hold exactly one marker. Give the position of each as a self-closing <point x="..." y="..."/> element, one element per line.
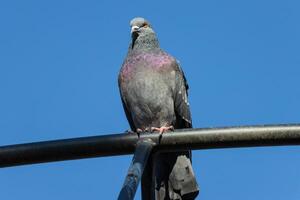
<point x="154" y="94"/>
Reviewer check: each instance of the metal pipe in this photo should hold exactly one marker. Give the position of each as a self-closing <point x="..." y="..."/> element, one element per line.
<point x="67" y="149"/>
<point x="136" y="169"/>
<point x="120" y="144"/>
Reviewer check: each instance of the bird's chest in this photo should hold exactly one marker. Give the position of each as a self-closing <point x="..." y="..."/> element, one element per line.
<point x="150" y="98"/>
<point x="149" y="85"/>
<point x="147" y="74"/>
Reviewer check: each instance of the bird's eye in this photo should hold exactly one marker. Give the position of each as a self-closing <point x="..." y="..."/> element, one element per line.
<point x="145" y="24"/>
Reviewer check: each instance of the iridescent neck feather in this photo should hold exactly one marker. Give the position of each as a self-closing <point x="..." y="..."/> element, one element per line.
<point x="144" y="42"/>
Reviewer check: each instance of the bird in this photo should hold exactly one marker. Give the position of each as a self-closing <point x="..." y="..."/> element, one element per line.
<point x="154" y="95"/>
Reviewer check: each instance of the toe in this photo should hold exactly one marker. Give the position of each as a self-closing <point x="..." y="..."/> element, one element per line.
<point x="154" y="129"/>
<point x="139" y="130"/>
<point x="162" y="130"/>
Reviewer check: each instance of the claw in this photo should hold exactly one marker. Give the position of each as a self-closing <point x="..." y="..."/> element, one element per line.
<point x="138" y="130"/>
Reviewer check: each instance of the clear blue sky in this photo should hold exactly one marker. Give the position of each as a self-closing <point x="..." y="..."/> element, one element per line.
<point x="59" y="62"/>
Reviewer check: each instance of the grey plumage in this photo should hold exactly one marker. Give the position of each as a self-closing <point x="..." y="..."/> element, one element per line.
<point x="153" y="90"/>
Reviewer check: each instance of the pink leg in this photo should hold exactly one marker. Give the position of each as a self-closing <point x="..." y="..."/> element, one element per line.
<point x="162" y="129"/>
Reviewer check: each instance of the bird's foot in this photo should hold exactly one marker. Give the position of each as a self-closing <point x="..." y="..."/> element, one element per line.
<point x="139" y="130"/>
<point x="162" y="129"/>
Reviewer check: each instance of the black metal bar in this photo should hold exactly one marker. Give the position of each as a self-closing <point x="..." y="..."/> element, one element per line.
<point x="120" y="144"/>
<point x="136" y="169"/>
<point x="67" y="149"/>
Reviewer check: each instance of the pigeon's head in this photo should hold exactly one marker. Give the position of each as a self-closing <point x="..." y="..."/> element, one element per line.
<point x="141" y="31"/>
<point x="140" y="26"/>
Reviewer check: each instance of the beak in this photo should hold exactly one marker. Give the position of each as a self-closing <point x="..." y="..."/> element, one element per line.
<point x="134" y="29"/>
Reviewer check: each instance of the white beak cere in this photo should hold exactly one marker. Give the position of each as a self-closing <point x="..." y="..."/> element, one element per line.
<point x="134" y="29"/>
